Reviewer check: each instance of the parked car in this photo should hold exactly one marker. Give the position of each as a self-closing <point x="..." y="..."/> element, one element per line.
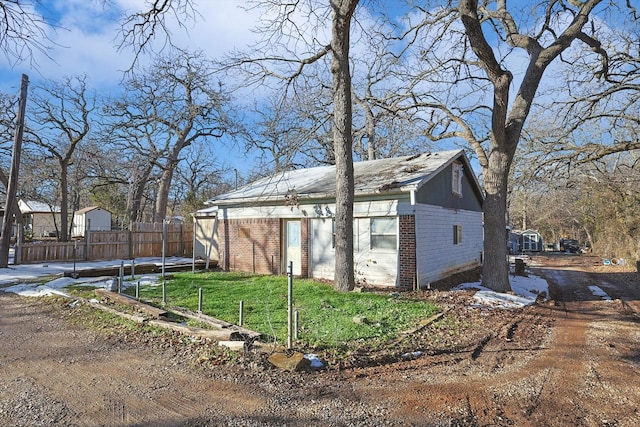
<point x="569" y="245"/>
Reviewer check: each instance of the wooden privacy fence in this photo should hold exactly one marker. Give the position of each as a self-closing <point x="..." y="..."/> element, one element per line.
<point x="142" y="240"/>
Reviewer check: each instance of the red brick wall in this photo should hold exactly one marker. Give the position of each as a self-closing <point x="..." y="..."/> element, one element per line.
<point x="253" y="245"/>
<point x="407" y="251"/>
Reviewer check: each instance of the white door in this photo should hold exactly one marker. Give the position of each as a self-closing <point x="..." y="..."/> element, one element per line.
<point x="322" y="252"/>
<point x="292" y="250"/>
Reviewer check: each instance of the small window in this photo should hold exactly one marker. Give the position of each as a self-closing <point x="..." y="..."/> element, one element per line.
<point x="457" y="234"/>
<point x="384" y="233"/>
<point x="293" y="234"/>
<point x="456" y="179"/>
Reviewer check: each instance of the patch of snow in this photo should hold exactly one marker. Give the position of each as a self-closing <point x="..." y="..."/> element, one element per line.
<point x="15" y="276"/>
<point x="529" y="287"/>
<point x="525" y="292"/>
<point x="598" y="292"/>
<point x="487" y="298"/>
<point x="33" y="290"/>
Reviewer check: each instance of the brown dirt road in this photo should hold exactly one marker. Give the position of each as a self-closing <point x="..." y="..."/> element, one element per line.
<point x="574" y="361"/>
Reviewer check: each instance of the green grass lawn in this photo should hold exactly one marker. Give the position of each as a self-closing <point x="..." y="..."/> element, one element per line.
<point x="326" y="317"/>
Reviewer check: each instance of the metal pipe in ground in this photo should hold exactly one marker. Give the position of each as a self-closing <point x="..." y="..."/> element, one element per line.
<point x="241" y="314"/>
<point x="164" y="292"/>
<point x="164" y="246"/>
<point x="121" y="277"/>
<point x="290" y="306"/>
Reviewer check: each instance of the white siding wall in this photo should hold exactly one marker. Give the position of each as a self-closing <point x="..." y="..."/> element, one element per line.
<point x="373" y="266"/>
<point x="98" y="219"/>
<point x="437" y="256"/>
<point x="206" y="239"/>
<point x="376" y="267"/>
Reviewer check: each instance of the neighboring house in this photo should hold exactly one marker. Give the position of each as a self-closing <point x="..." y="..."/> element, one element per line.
<point x="417" y="219"/>
<point x="93" y="218"/>
<point x="531" y="241"/>
<point x="514" y="242"/>
<point x="40" y="218"/>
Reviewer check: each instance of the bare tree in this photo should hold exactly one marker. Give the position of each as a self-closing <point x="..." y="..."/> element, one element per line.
<point x="584" y="146"/>
<point x="164" y="109"/>
<point x="198" y="178"/>
<point x="477" y="71"/>
<point x="291" y="133"/>
<point x="568" y="187"/>
<point x="60" y="120"/>
<point x="291" y="45"/>
<point x="387" y="122"/>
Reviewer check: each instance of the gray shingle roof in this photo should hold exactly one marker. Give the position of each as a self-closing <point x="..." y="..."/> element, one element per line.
<point x="371" y="177"/>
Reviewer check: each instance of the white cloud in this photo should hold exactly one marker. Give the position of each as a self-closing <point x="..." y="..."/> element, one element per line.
<point x="85" y="39"/>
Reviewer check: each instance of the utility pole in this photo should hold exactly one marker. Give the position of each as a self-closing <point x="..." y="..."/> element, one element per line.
<point x="7" y="221"/>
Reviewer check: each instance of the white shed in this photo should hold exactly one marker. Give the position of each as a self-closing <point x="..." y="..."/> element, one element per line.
<point x="93" y="218"/>
<point x="532" y="241"/>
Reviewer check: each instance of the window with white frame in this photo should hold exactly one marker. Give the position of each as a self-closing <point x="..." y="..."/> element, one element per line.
<point x="456" y="179"/>
<point x="457" y="234"/>
<point x="383" y="233"/>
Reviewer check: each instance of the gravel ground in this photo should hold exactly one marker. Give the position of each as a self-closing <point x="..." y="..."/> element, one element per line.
<point x="573" y="361"/>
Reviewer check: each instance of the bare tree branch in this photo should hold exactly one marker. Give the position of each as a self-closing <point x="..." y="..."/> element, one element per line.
<point x="23" y="31"/>
<point x="139" y="30"/>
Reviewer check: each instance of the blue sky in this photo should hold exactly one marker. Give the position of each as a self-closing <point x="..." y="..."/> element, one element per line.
<point x="83" y="41"/>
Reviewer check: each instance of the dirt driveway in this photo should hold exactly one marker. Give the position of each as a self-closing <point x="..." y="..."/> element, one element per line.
<point x="574" y="361"/>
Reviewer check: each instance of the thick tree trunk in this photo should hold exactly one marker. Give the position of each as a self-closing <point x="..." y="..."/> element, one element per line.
<point x="342" y="143"/>
<point x="134" y="202"/>
<point x="136" y="193"/>
<point x="495" y="271"/>
<point x="162" y="198"/>
<point x="63" y="236"/>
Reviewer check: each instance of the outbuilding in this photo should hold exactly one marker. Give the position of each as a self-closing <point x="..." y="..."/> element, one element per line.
<point x="93" y="218"/>
<point x="417" y="219"/>
<point x="41" y="219"/>
<point x="532" y="241"/>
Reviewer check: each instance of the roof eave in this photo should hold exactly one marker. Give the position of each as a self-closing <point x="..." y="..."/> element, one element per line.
<point x="308" y="197"/>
